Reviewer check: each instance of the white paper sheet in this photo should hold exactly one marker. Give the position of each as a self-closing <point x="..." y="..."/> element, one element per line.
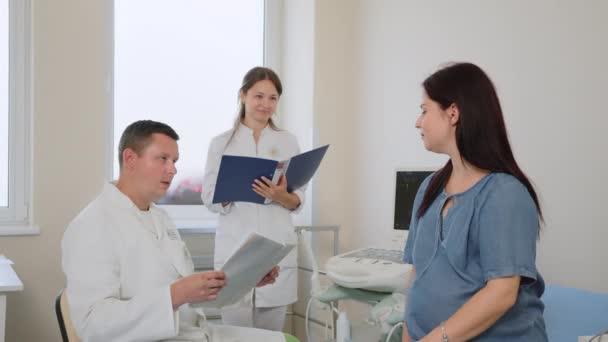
<point x="5" y="261"/>
<point x="255" y="257"/>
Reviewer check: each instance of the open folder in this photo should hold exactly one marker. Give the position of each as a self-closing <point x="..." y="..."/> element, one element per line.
<point x="237" y="174"/>
<point x="249" y="263"/>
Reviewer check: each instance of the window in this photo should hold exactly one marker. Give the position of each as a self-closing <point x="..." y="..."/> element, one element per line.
<point x="181" y="63"/>
<point x="15" y="117"/>
<point x="4" y="103"/>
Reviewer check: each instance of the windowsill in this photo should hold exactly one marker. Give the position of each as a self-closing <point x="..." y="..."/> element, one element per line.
<point x="17" y="230"/>
<point x="196" y="226"/>
<point x="200" y="230"/>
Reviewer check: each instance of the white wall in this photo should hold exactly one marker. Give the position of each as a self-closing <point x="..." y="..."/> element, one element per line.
<point x="327" y="104"/>
<point x="547" y="59"/>
<point x="297" y="64"/>
<point x="72" y="59"/>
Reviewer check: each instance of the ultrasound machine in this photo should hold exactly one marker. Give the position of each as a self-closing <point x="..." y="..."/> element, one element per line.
<point x="375" y="268"/>
<point x="375" y="275"/>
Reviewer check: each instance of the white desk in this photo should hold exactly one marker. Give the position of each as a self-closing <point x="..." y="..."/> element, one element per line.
<point x="8" y="282"/>
<point x="604" y="337"/>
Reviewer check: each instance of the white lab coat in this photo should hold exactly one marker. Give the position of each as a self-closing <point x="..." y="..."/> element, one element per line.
<point x="240" y="218"/>
<point x="119" y="263"/>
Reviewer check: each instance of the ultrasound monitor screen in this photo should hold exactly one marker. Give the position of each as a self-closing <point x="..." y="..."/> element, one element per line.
<point x="407" y="185"/>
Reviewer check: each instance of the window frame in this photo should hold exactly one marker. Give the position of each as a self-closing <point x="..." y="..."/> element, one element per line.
<point x="181" y="215"/>
<point x="16" y="219"/>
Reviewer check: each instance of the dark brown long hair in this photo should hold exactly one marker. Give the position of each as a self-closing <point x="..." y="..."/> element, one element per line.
<point x="481" y="135"/>
<point x="252" y="77"/>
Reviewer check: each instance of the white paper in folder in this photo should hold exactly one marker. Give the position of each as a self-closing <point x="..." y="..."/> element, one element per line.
<point x="4" y="260"/>
<point x="249" y="263"/>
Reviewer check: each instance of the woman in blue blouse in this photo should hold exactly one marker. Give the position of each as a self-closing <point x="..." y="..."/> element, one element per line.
<point x="473" y="236"/>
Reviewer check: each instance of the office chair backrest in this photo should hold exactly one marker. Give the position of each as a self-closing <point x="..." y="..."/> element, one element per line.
<point x="68" y="334"/>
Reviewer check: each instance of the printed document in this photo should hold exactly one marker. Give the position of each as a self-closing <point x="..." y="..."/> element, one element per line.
<point x="255" y="257"/>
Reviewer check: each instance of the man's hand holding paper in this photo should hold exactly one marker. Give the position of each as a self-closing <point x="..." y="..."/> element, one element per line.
<point x="197" y="287"/>
<point x="255" y="259"/>
<point x="270" y="277"/>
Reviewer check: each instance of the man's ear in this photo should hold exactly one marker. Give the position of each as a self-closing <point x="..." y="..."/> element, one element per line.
<point x="128" y="158"/>
<point x="454" y="114"/>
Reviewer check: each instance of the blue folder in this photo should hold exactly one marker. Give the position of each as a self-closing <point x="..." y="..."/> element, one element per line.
<point x="237" y="174"/>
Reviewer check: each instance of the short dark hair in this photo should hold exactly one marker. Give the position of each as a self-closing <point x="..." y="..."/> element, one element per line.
<point x="137" y="136"/>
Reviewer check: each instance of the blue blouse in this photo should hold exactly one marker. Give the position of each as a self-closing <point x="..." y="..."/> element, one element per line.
<point x="489" y="232"/>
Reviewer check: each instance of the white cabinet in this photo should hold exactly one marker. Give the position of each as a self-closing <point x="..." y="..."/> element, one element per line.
<point x="9" y="282"/>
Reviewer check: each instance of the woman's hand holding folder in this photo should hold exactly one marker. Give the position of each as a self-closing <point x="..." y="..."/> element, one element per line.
<point x="276" y="192"/>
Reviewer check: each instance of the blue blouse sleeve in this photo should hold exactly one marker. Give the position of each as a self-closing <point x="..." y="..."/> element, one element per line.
<point x="508" y="227"/>
<point x="411" y="236"/>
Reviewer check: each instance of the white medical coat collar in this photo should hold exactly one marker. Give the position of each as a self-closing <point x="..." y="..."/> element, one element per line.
<point x="243" y="130"/>
<point x="122" y="200"/>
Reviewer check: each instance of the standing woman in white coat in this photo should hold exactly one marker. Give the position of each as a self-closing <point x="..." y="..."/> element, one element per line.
<point x="255" y="135"/>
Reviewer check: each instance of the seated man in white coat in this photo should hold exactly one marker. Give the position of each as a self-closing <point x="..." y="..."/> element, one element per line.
<point x="129" y="274"/>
